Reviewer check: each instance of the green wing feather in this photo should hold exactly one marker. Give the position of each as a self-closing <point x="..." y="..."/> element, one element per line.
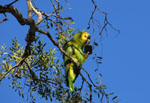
<point x="75" y="49"/>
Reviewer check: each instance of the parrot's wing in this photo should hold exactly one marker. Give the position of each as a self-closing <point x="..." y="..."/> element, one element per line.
<point x="69" y="68"/>
<point x="69" y="50"/>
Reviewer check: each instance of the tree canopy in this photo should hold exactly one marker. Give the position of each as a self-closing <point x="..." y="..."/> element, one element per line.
<point x="36" y="67"/>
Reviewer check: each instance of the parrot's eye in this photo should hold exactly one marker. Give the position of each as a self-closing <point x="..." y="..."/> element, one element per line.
<point x="85" y="36"/>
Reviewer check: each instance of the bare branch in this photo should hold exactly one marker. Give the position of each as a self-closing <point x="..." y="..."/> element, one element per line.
<point x="98" y="8"/>
<point x="15" y="13"/>
<point x="12" y="3"/>
<point x="89" y="77"/>
<point x="105" y="24"/>
<point x="90" y="86"/>
<point x="65" y="18"/>
<point x="4" y="18"/>
<point x="81" y="86"/>
<point x="30" y="8"/>
<point x="91" y="18"/>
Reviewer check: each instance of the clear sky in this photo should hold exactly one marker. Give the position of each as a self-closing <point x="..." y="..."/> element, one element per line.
<point x="125" y="66"/>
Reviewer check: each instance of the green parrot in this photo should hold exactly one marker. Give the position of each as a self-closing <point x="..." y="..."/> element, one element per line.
<point x="75" y="48"/>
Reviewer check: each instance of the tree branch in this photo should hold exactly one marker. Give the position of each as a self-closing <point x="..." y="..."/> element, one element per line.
<point x="90" y="86"/>
<point x="57" y="45"/>
<point x="81" y="85"/>
<point x="91" y="18"/>
<point x="31" y="33"/>
<point x="32" y="8"/>
<point x="34" y="77"/>
<point x="18" y="64"/>
<point x="64" y="18"/>
<point x="12" y="3"/>
<point x="89" y="77"/>
<point x="106" y="22"/>
<point x="29" y="9"/>
<point x="98" y="8"/>
<point x="15" y="13"/>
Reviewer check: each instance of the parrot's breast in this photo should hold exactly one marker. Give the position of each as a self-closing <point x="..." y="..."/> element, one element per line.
<point x="80" y="56"/>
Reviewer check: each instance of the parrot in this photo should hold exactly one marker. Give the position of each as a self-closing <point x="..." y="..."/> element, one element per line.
<point x="75" y="48"/>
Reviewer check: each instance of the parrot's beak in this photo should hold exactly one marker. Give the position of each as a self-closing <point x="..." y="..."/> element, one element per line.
<point x="88" y="47"/>
<point x="88" y="41"/>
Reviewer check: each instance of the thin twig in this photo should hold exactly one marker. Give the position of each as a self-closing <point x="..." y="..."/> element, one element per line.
<point x="12" y="3"/>
<point x="90" y="86"/>
<point x="4" y="18"/>
<point x="98" y="8"/>
<point x="31" y="72"/>
<point x="89" y="77"/>
<point x="65" y="18"/>
<point x="49" y="15"/>
<point x="91" y="18"/>
<point x="18" y="64"/>
<point x="105" y="24"/>
<point x="81" y="85"/>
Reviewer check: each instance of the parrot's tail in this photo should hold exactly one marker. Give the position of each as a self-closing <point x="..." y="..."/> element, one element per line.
<point x="71" y="87"/>
<point x="69" y="84"/>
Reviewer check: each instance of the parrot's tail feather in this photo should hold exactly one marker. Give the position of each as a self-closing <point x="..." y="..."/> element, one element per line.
<point x="67" y="82"/>
<point x="68" y="67"/>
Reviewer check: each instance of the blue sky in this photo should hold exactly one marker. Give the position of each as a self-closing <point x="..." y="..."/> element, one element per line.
<point x="126" y="56"/>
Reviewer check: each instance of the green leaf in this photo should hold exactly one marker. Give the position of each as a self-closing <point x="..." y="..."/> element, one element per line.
<point x="109" y="94"/>
<point x="22" y="95"/>
<point x="2" y="47"/>
<point x="99" y="57"/>
<point x="19" y="93"/>
<point x="51" y="25"/>
<point x="99" y="62"/>
<point x="114" y="97"/>
<point x="97" y="83"/>
<point x="95" y="43"/>
<point x="5" y="53"/>
<point x="100" y="74"/>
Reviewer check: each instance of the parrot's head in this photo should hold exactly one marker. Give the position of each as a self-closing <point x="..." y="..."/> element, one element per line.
<point x="82" y="37"/>
<point x="85" y="37"/>
<point x="83" y="41"/>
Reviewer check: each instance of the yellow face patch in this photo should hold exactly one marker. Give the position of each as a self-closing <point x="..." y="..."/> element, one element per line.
<point x="85" y="36"/>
